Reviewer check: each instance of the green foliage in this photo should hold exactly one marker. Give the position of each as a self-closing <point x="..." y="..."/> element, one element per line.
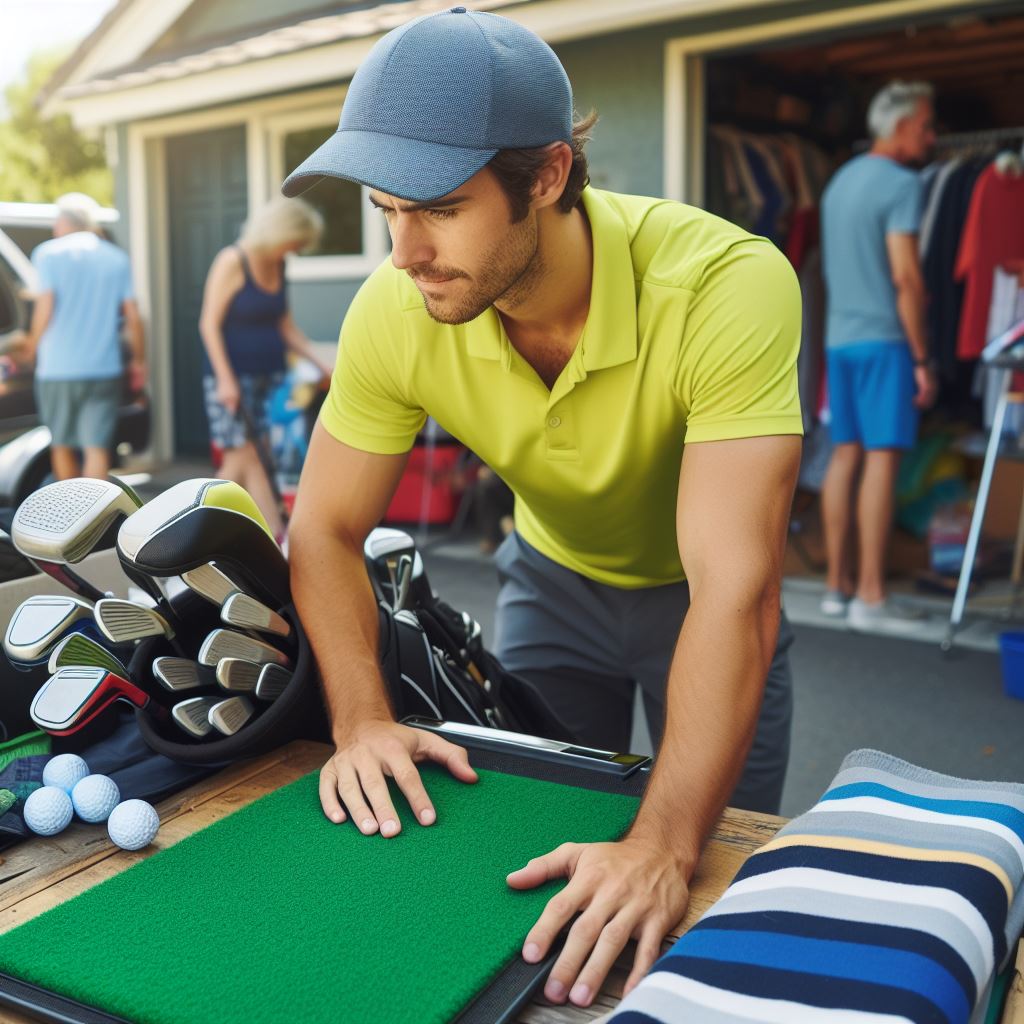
<point x="41" y="159"/>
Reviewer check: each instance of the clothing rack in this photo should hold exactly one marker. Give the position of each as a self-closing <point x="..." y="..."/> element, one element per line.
<point x="985" y="135"/>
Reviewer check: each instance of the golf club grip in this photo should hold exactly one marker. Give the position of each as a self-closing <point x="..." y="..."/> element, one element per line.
<point x="67" y="577"/>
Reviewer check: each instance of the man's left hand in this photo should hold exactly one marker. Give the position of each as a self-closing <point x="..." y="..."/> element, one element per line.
<point x="632" y="889"/>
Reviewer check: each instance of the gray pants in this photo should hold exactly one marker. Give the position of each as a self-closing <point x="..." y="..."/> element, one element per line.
<point x="586" y="646"/>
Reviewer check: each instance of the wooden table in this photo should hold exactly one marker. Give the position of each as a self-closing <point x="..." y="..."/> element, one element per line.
<point x="41" y="873"/>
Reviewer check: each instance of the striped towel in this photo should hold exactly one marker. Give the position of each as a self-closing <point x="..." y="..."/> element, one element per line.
<point x="894" y="899"/>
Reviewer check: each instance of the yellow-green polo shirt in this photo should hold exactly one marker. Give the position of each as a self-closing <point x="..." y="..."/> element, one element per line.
<point x="692" y="335"/>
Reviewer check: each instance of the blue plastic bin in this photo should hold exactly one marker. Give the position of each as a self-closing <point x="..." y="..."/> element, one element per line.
<point x="1011" y="650"/>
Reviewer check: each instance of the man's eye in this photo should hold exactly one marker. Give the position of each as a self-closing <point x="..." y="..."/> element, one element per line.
<point x="441" y="214"/>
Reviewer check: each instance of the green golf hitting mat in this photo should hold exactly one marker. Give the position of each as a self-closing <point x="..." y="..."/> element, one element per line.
<point x="275" y="914"/>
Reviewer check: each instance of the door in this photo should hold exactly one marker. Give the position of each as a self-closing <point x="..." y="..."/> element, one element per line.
<point x="208" y="201"/>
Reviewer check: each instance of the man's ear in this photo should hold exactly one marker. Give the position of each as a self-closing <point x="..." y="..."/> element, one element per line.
<point x="552" y="177"/>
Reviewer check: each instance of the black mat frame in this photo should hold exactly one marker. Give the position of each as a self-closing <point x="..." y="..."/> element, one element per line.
<point x="499" y="1003"/>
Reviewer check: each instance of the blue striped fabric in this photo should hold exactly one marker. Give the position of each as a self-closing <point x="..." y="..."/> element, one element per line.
<point x="894" y="899"/>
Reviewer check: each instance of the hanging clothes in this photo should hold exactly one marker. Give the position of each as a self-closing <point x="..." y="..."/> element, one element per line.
<point x="992" y="237"/>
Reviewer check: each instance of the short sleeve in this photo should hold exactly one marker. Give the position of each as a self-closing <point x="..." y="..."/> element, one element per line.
<point x="44" y="268"/>
<point x="904" y="215"/>
<point x="367" y="406"/>
<point x="736" y="373"/>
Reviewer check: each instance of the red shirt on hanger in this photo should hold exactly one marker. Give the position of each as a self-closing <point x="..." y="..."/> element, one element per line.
<point x="993" y="236"/>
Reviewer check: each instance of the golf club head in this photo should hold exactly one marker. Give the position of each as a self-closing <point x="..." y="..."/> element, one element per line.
<point x="39" y="622"/>
<point x="245" y="612"/>
<point x="210" y="582"/>
<point x="228" y="716"/>
<point x="382" y="550"/>
<point x="176" y="674"/>
<point x="272" y="682"/>
<point x="123" y="622"/>
<point x="193" y="715"/>
<point x="201" y="521"/>
<point x="73" y="696"/>
<point x="64" y="521"/>
<point x="225" y="643"/>
<point x="79" y="649"/>
<point x="237" y="675"/>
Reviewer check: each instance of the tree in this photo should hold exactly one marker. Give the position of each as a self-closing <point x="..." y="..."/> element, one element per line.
<point x="42" y="158"/>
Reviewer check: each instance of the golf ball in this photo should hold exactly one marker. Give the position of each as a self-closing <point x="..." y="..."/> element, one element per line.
<point x="133" y="824"/>
<point x="48" y="811"/>
<point x="64" y="770"/>
<point x="95" y="797"/>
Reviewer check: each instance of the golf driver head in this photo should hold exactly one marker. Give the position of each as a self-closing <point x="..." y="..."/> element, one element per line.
<point x="225" y="643"/>
<point x="123" y="622"/>
<point x="177" y="674"/>
<point x="245" y="612"/>
<point x="39" y="622"/>
<point x="237" y="675"/>
<point x="382" y="551"/>
<point x="64" y="521"/>
<point x="73" y="696"/>
<point x="79" y="649"/>
<point x="193" y="715"/>
<point x="228" y="716"/>
<point x="201" y="521"/>
<point x="272" y="682"/>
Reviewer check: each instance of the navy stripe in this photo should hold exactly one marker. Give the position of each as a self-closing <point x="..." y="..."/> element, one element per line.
<point x="976" y="885"/>
<point x="836" y="930"/>
<point x="810" y="989"/>
<point x="636" y="1017"/>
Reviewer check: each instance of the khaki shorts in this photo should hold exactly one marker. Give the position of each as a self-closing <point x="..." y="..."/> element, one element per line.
<point x="80" y="413"/>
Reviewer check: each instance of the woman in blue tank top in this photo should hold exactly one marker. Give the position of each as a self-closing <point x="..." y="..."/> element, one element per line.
<point x="246" y="327"/>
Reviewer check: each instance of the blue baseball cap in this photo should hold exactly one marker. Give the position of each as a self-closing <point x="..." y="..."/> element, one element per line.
<point x="436" y="99"/>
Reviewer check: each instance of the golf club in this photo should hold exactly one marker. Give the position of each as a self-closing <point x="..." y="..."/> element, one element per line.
<point x="210" y="582"/>
<point x="201" y="521"/>
<point x="272" y="682"/>
<point x="122" y="622"/>
<point x="237" y="675"/>
<point x="228" y="716"/>
<point x="73" y="696"/>
<point x="38" y="623"/>
<point x="193" y="715"/>
<point x="245" y="612"/>
<point x="381" y="550"/>
<point x="178" y="674"/>
<point x="79" y="649"/>
<point x="225" y="643"/>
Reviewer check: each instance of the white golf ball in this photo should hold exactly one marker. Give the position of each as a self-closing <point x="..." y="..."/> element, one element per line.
<point x="133" y="824"/>
<point x="48" y="811"/>
<point x="95" y="797"/>
<point x="63" y="771"/>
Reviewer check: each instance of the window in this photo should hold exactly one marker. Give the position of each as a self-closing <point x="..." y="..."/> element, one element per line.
<point x="339" y="202"/>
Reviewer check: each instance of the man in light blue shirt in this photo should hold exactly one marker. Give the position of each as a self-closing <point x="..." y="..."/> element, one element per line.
<point x="85" y="289"/>
<point x="879" y="373"/>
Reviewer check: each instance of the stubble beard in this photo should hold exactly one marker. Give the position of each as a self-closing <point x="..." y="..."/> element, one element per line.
<point x="509" y="273"/>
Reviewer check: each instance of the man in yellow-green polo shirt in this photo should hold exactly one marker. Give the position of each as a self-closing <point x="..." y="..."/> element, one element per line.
<point x="628" y="366"/>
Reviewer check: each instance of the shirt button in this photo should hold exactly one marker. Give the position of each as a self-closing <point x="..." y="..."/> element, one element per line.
<point x="555" y="421"/>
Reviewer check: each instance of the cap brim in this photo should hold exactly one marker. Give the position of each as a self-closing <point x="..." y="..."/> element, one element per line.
<point x="407" y="168"/>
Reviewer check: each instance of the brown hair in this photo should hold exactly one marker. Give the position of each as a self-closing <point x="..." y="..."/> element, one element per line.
<point x="516" y="170"/>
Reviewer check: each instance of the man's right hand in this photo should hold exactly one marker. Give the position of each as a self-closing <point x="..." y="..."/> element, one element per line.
<point x="353" y="783"/>
<point x="927" y="386"/>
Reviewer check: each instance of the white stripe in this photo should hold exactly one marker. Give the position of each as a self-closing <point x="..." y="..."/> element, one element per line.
<point x="834" y="883"/>
<point x="433" y="707"/>
<point x="895" y="809"/>
<point x="756" y="1008"/>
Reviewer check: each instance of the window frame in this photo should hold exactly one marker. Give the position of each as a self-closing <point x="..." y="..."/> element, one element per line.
<point x="375" y="235"/>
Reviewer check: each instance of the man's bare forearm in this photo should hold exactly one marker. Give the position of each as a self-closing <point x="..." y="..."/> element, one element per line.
<point x="715" y="686"/>
<point x="336" y="605"/>
<point x="910" y="305"/>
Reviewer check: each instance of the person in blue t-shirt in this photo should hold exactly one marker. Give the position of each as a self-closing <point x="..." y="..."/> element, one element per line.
<point x="84" y="294"/>
<point x="879" y="373"/>
<point x="246" y="326"/>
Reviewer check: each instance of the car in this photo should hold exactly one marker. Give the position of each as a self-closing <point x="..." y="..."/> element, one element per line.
<point x="24" y="441"/>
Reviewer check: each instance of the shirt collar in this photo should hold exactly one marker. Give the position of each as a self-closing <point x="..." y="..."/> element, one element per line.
<point x="609" y="335"/>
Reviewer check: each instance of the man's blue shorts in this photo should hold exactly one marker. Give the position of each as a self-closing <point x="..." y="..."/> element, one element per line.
<point x="871" y="395"/>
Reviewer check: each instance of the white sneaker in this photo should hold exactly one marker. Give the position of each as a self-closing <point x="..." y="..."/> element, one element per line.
<point x="834" y="604"/>
<point x="886" y="616"/>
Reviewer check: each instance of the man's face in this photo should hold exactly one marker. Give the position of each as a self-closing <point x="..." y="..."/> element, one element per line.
<point x="462" y="251"/>
<point x="917" y="133"/>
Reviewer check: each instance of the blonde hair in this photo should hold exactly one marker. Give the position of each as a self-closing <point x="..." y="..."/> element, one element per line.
<point x="280" y="222"/>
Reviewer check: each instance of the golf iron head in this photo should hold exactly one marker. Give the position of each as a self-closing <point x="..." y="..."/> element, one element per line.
<point x="193" y="715"/>
<point x="382" y="552"/>
<point x="224" y="643"/>
<point x="201" y="521"/>
<point x="228" y="716"/>
<point x="38" y="623"/>
<point x="210" y="582"/>
<point x="237" y="675"/>
<point x="245" y="612"/>
<point x="81" y="650"/>
<point x="123" y="622"/>
<point x="73" y="696"/>
<point x="272" y="682"/>
<point x="177" y="674"/>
